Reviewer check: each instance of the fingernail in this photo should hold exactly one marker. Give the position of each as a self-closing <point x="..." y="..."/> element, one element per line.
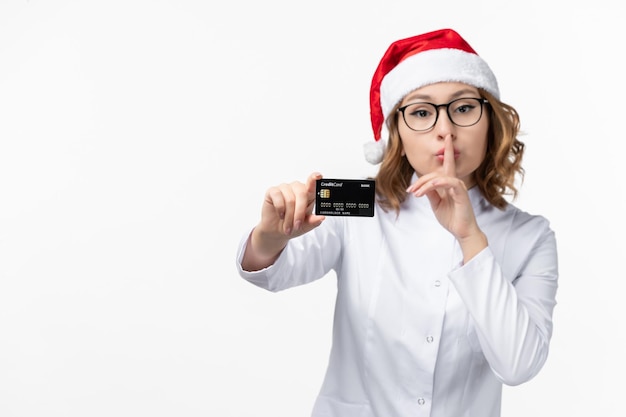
<point x="297" y="224"/>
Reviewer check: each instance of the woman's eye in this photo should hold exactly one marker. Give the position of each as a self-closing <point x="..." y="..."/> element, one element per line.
<point x="420" y="113"/>
<point x="464" y="108"/>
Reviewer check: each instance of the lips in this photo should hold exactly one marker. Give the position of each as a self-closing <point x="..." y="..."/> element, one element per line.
<point x="441" y="152"/>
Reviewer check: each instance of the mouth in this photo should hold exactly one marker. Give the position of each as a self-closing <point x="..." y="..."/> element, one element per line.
<point x="441" y="153"/>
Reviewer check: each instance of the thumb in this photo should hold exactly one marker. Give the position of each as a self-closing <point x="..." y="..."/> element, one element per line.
<point x="311" y="185"/>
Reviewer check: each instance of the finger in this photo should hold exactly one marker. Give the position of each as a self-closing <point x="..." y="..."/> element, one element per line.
<point x="311" y="185"/>
<point x="311" y="220"/>
<point x="289" y="199"/>
<point x="421" y="181"/>
<point x="435" y="183"/>
<point x="434" y="197"/>
<point x="274" y="198"/>
<point x="301" y="204"/>
<point x="425" y="183"/>
<point x="449" y="165"/>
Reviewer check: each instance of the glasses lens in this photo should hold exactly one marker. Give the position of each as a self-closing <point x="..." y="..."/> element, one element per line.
<point x="420" y="116"/>
<point x="465" y="111"/>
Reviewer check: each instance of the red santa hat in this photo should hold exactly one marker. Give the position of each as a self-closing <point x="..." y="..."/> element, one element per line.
<point x="411" y="63"/>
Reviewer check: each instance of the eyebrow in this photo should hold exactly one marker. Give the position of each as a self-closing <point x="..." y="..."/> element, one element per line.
<point x="428" y="97"/>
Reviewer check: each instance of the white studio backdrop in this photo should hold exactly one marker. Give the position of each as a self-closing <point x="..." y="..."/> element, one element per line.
<point x="137" y="139"/>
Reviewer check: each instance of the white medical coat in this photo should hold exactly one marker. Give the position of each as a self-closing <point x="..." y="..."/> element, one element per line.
<point x="416" y="332"/>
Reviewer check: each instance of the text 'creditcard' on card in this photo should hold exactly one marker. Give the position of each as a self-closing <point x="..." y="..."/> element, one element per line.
<point x="340" y="197"/>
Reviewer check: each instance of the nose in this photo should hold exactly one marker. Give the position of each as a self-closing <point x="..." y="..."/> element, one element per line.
<point x="443" y="125"/>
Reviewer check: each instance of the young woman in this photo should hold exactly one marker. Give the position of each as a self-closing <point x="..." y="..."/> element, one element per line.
<point x="448" y="292"/>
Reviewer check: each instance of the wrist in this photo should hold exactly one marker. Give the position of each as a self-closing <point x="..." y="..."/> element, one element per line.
<point x="262" y="250"/>
<point x="472" y="245"/>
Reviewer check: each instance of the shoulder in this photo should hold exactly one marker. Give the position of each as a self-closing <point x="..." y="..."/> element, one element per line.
<point x="514" y="231"/>
<point x="529" y="236"/>
<point x="523" y="220"/>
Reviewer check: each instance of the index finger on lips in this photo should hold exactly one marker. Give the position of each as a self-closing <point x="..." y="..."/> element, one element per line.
<point x="449" y="166"/>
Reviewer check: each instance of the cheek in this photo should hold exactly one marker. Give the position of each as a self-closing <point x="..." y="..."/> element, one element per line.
<point x="417" y="155"/>
<point x="476" y="153"/>
<point x="411" y="144"/>
<point x="482" y="146"/>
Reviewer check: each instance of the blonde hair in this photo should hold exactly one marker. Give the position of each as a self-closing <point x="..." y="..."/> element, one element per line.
<point x="495" y="177"/>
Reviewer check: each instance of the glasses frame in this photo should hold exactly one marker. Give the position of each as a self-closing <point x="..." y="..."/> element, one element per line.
<point x="481" y="101"/>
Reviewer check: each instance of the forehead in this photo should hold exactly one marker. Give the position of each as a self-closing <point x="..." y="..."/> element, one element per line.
<point x="440" y="92"/>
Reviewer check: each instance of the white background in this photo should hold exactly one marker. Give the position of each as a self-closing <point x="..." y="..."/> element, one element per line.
<point x="137" y="139"/>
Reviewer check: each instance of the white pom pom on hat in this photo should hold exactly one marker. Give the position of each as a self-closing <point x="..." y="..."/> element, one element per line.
<point x="408" y="64"/>
<point x="374" y="151"/>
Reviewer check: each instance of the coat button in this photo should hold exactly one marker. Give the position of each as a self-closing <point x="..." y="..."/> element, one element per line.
<point x="421" y="401"/>
<point x="430" y="339"/>
<point x="437" y="283"/>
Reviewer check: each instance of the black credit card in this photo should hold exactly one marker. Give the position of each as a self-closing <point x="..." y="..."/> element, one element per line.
<point x="337" y="197"/>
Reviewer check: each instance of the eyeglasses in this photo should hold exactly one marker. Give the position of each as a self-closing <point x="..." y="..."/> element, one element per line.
<point x="462" y="112"/>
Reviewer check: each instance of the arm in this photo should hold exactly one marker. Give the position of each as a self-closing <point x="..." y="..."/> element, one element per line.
<point x="513" y="320"/>
<point x="286" y="213"/>
<point x="303" y="260"/>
